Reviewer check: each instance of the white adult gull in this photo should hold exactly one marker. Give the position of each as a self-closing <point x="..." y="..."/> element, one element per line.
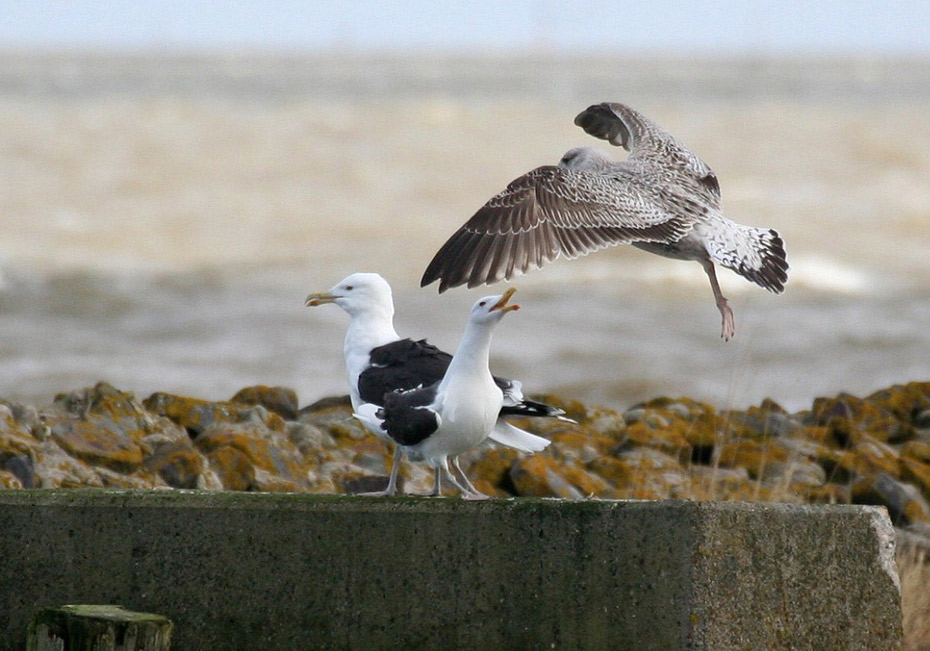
<point x="662" y="198"/>
<point x="379" y="362"/>
<point x="456" y="414"/>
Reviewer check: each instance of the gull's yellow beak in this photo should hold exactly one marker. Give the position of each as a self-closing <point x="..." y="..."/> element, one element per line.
<point x="502" y="303"/>
<point x="319" y="298"/>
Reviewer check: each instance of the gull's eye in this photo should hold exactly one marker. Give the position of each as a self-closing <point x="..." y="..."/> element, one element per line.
<point x="482" y="303"/>
<point x="348" y="287"/>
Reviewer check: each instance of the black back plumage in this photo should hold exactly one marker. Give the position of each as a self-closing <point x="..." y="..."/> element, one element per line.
<point x="401" y="365"/>
<point x="406" y="416"/>
<point x="406" y="364"/>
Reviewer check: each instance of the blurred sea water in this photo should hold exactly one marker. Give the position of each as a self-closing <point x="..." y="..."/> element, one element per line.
<point x="162" y="219"/>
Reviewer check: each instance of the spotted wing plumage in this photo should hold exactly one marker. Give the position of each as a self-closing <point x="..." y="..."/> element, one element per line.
<point x="548" y="213"/>
<point x="650" y="145"/>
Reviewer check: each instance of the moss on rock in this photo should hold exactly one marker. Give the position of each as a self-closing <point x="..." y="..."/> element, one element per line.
<point x="844" y="449"/>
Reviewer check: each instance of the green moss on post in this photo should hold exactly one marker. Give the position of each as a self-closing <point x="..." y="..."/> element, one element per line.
<point x="98" y="628"/>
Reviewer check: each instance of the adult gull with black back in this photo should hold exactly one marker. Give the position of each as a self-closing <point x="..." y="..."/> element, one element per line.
<point x="458" y="413"/>
<point x="378" y="362"/>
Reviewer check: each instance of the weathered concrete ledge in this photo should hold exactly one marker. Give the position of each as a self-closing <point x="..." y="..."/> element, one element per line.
<point x="272" y="571"/>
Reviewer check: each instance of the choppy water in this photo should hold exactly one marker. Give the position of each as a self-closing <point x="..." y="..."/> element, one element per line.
<point x="161" y="221"/>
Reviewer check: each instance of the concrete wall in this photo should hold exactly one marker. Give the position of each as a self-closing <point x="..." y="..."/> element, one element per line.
<point x="265" y="571"/>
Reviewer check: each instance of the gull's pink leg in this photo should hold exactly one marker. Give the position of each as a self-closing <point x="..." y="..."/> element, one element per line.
<point x="392" y="482"/>
<point x="728" y="327"/>
<point x="472" y="493"/>
<point x="437" y="486"/>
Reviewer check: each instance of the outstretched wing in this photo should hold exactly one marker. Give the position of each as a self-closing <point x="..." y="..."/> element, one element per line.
<point x="548" y="213"/>
<point x="646" y="141"/>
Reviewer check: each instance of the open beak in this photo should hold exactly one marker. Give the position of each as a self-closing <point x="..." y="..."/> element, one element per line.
<point x="502" y="304"/>
<point x="319" y="298"/>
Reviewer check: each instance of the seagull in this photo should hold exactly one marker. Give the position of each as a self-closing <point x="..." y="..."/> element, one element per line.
<point x="456" y="414"/>
<point x="379" y="362"/>
<point x="662" y="198"/>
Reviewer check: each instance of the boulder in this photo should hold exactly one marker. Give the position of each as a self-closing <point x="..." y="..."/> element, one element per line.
<point x="280" y="400"/>
<point x="233" y="467"/>
<point x="906" y="401"/>
<point x="756" y="457"/>
<point x="21" y="466"/>
<point x="99" y="443"/>
<point x="178" y="464"/>
<point x="904" y="501"/>
<point x="266" y="449"/>
<point x="541" y="476"/>
<point x="192" y="414"/>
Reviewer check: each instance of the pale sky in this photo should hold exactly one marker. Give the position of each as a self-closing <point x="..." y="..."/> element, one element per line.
<point x="677" y="26"/>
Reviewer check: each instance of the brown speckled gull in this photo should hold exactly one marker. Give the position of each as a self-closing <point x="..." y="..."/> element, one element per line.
<point x="662" y="198"/>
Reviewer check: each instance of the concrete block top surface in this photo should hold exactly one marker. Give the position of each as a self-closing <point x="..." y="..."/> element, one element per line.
<point x="194" y="499"/>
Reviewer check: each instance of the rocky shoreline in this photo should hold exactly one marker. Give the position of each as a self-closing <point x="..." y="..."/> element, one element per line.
<point x="844" y="449"/>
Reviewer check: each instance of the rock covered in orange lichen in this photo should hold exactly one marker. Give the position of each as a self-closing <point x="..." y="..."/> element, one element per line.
<point x="850" y="418"/>
<point x="99" y="443"/>
<point x="918" y="450"/>
<point x="916" y="473"/>
<point x="542" y="476"/>
<point x="17" y="451"/>
<point x="265" y="448"/>
<point x="906" y="401"/>
<point x="873" y="450"/>
<point x="101" y="426"/>
<point x="904" y="501"/>
<point x="280" y="400"/>
<point x="493" y="467"/>
<point x="756" y="457"/>
<point x="233" y="467"/>
<point x="192" y="414"/>
<point x="178" y="464"/>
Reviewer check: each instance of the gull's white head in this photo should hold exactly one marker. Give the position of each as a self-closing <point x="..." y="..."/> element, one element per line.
<point x="586" y="158"/>
<point x="357" y="294"/>
<point x="491" y="309"/>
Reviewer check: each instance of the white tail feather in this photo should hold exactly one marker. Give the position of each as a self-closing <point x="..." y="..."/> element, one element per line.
<point x="757" y="254"/>
<point x="513" y="437"/>
<point x="367" y="413"/>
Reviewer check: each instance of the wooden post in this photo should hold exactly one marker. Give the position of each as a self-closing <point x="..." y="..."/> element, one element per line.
<point x="98" y="628"/>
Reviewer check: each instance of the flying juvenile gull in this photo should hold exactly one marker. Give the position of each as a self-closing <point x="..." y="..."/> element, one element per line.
<point x="662" y="198"/>
<point x="456" y="414"/>
<point x="379" y="362"/>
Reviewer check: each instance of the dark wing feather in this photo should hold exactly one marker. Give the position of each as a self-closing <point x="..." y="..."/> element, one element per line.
<point x="401" y="365"/>
<point x="531" y="408"/>
<point x="622" y="126"/>
<point x="547" y="213"/>
<point x="646" y="141"/>
<point x="408" y="420"/>
<point x="602" y="121"/>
